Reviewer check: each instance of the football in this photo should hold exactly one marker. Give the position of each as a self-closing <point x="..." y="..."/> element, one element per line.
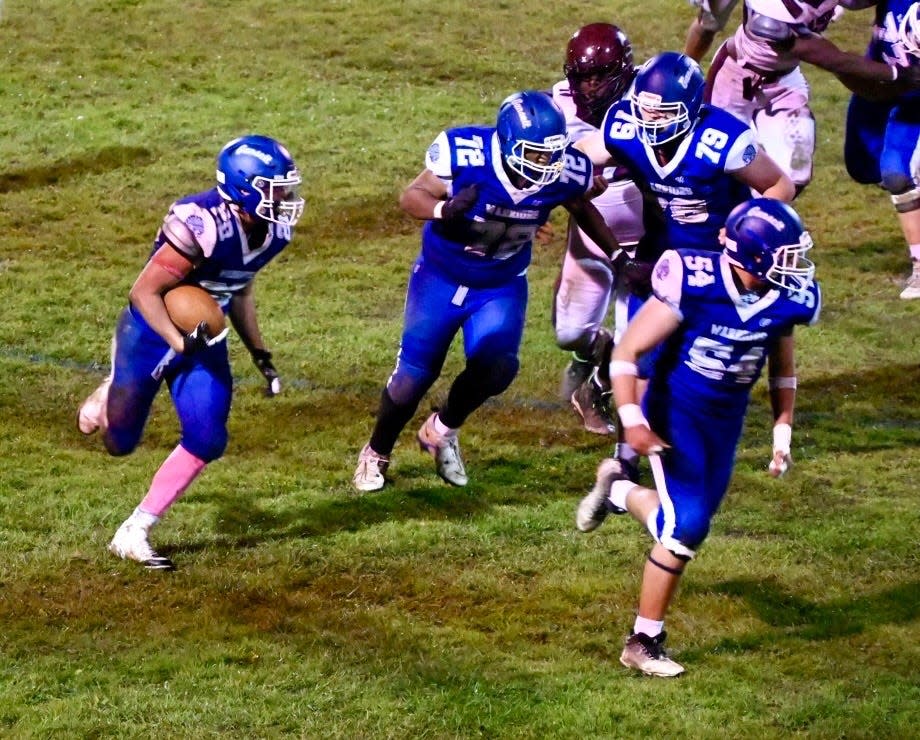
<point x="189" y="305"/>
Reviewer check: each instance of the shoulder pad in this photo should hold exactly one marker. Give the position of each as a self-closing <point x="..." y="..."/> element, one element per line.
<point x="768" y="29"/>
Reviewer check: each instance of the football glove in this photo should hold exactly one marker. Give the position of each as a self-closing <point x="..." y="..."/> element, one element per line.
<point x="263" y="360"/>
<point x="199" y="339"/>
<point x="637" y="275"/>
<point x="455" y="207"/>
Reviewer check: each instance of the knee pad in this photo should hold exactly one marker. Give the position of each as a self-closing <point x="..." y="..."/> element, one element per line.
<point x="119" y="444"/>
<point x="692" y="531"/>
<point x="409" y="383"/>
<point x="206" y="444"/>
<point x="496" y="373"/>
<point x="897" y="183"/>
<point x="904" y="193"/>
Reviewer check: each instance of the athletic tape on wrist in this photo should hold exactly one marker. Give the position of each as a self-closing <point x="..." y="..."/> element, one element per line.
<point x="622" y="367"/>
<point x="782" y="437"/>
<point x="631" y="415"/>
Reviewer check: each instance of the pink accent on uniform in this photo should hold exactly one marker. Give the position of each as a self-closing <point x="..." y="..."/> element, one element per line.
<point x="172" y="479"/>
<point x="160" y="261"/>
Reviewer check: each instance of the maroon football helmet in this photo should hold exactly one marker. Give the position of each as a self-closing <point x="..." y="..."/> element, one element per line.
<point x="599" y="68"/>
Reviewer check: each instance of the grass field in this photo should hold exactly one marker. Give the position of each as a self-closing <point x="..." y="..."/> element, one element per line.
<point x="301" y="609"/>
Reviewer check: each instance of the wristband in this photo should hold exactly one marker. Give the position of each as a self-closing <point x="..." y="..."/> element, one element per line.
<point x="788" y="381"/>
<point x="631" y="415"/>
<point x="894" y="72"/>
<point x="438" y="207"/>
<point x="621" y="367"/>
<point x="782" y="437"/>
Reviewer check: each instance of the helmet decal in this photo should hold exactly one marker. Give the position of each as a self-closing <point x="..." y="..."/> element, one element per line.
<point x="258" y="174"/>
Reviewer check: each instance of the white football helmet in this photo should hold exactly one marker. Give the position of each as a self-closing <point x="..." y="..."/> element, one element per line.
<point x="909" y="30"/>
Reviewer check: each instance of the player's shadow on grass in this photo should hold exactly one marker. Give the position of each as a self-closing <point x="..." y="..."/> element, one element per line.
<point x="244" y="522"/>
<point x="861" y="411"/>
<point x="103" y="160"/>
<point x="800" y="618"/>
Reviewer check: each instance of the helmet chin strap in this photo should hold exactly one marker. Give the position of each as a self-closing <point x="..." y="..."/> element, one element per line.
<point x="746" y="282"/>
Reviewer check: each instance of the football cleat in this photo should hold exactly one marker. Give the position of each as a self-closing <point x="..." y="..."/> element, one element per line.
<point x="575" y="373"/>
<point x="912" y="287"/>
<point x="92" y="413"/>
<point x="592" y="404"/>
<point x="595" y="507"/>
<point x="445" y="451"/>
<point x="370" y="475"/>
<point x="647" y="654"/>
<point x="130" y="543"/>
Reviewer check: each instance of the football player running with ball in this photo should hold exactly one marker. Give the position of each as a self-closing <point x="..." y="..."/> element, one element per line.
<point x="483" y="194"/>
<point x="719" y="317"/>
<point x="218" y="240"/>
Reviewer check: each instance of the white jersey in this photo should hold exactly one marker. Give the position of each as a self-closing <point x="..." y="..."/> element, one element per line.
<point x="800" y="18"/>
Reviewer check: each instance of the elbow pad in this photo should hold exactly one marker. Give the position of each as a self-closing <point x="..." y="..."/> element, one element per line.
<point x="770" y="30"/>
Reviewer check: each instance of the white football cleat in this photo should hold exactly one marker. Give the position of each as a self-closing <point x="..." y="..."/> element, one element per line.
<point x="446" y="453"/>
<point x="130" y="543"/>
<point x="92" y="413"/>
<point x="370" y="475"/>
<point x="647" y="654"/>
<point x="912" y="287"/>
<point x="594" y="508"/>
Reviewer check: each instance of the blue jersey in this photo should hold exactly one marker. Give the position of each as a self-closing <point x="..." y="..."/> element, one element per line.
<point x="204" y="228"/>
<point x="714" y="358"/>
<point x="695" y="189"/>
<point x="885" y="46"/>
<point x="492" y="243"/>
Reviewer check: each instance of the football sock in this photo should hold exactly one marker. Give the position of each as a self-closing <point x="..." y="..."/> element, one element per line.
<point x="174" y="476"/>
<point x="143" y="519"/>
<point x="442" y="429"/>
<point x="648" y="627"/>
<point x="915" y="252"/>
<point x="626" y="453"/>
<point x="618" y="492"/>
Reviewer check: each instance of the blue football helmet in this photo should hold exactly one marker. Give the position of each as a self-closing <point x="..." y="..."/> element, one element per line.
<point x="666" y="97"/>
<point x="259" y="175"/>
<point x="533" y="137"/>
<point x="766" y="238"/>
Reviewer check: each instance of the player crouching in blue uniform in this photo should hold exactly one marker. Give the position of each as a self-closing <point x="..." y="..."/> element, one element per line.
<point x="218" y="240"/>
<point x="483" y="194"/>
<point x="721" y="318"/>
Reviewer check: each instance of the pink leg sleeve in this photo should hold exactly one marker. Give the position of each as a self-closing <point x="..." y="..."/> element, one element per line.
<point x="174" y="476"/>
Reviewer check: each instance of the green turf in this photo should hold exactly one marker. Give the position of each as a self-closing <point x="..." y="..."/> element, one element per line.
<point x="301" y="609"/>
